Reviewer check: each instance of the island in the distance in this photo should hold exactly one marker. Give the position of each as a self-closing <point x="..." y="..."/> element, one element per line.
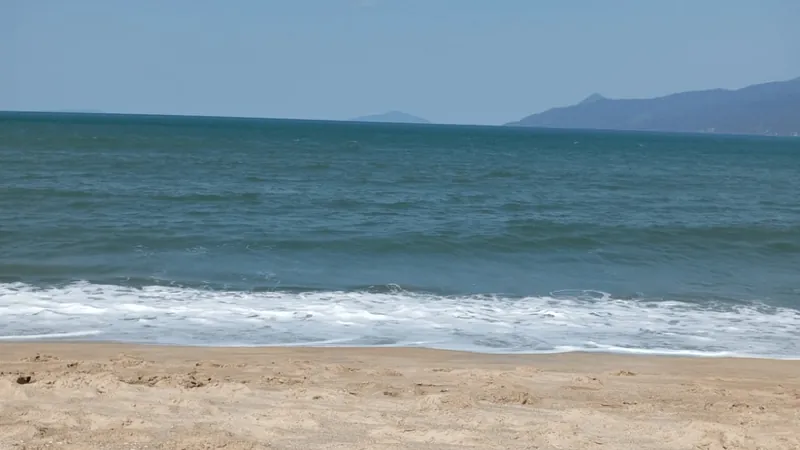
<point x="391" y="117"/>
<point x="766" y="109"/>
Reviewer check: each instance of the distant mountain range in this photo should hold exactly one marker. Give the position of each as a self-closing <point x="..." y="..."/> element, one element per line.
<point x="391" y="117"/>
<point x="766" y="109"/>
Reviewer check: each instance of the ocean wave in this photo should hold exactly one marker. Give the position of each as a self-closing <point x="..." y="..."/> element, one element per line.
<point x="375" y="236"/>
<point x="29" y="337"/>
<point x="570" y="320"/>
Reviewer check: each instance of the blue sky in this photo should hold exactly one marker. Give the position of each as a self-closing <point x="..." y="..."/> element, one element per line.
<point x="450" y="61"/>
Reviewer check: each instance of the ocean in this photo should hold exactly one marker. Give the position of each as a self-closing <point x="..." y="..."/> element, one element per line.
<point x="223" y="231"/>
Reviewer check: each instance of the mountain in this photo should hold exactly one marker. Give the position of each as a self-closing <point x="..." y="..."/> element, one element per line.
<point x="391" y="117"/>
<point x="769" y="108"/>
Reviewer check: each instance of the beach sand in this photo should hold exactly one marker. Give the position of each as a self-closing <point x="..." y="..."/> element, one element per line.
<point x="114" y="396"/>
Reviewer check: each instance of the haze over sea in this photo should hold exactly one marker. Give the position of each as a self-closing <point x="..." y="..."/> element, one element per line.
<point x="222" y="231"/>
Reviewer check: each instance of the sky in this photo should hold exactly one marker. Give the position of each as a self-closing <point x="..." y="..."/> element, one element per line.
<point x="449" y="61"/>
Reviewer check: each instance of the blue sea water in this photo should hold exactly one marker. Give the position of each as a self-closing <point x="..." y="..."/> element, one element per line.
<point x="221" y="231"/>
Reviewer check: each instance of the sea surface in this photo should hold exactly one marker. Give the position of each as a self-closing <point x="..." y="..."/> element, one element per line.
<point x="221" y="231"/>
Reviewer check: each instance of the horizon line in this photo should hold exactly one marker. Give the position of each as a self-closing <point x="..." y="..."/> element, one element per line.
<point x="506" y="126"/>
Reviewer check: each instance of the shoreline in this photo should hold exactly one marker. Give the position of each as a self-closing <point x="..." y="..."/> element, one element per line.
<point x="99" y="395"/>
<point x="418" y="354"/>
<point x="630" y="352"/>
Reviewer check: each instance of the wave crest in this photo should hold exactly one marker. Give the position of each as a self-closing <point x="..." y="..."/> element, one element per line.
<point x="569" y="320"/>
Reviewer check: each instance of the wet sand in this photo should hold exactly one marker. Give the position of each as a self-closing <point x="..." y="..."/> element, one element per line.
<point x="115" y="396"/>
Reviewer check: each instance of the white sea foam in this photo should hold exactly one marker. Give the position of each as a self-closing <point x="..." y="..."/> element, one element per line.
<point x="73" y="334"/>
<point x="565" y="321"/>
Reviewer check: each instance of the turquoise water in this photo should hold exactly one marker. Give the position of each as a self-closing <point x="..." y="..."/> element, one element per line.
<point x="268" y="232"/>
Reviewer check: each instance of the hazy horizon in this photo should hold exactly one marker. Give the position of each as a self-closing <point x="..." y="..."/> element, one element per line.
<point x="351" y="119"/>
<point x="466" y="62"/>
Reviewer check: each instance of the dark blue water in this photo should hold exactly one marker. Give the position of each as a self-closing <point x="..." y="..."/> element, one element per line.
<point x="255" y="232"/>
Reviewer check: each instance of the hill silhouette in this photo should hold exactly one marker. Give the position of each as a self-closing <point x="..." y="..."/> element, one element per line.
<point x="767" y="109"/>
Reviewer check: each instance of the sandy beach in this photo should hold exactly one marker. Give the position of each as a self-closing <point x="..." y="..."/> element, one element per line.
<point x="113" y="396"/>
